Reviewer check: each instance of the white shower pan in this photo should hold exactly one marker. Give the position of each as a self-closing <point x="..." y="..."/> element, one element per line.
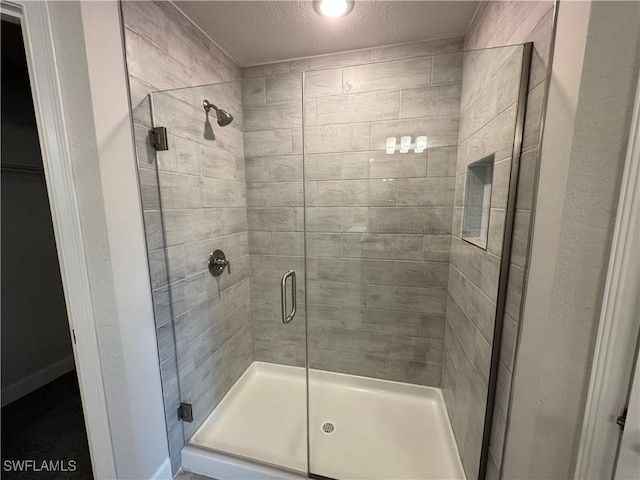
<point x="359" y="428"/>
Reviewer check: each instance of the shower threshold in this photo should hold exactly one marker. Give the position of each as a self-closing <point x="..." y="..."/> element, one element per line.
<point x="359" y="428"/>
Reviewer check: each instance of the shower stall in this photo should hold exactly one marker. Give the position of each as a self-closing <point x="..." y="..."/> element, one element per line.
<point x="329" y="250"/>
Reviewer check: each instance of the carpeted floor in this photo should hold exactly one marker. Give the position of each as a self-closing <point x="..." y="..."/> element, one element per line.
<point x="47" y="424"/>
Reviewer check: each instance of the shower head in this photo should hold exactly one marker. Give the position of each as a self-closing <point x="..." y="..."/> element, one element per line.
<point x="224" y="118"/>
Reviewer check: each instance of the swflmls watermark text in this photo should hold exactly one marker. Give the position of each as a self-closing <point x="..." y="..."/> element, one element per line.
<point x="39" y="465"/>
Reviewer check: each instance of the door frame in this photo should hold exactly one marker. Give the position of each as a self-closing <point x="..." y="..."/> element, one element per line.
<point x="617" y="339"/>
<point x="47" y="99"/>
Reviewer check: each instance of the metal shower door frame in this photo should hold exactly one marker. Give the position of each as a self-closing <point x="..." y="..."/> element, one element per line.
<point x="505" y="257"/>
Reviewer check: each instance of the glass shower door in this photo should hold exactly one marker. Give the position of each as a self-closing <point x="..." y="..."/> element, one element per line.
<point x="378" y="236"/>
<point x="228" y="267"/>
<point x="403" y="295"/>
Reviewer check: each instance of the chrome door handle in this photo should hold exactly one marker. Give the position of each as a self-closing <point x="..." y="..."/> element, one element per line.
<point x="283" y="296"/>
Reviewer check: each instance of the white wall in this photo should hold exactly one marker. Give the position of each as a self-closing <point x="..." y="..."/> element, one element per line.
<point x="595" y="68"/>
<point x="89" y="55"/>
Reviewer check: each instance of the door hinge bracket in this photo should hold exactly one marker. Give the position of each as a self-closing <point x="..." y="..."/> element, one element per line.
<point x="621" y="420"/>
<point x="73" y="333"/>
<point x="158" y="138"/>
<point x="185" y="412"/>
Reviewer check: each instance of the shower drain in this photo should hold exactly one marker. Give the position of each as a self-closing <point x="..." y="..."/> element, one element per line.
<point x="328" y="428"/>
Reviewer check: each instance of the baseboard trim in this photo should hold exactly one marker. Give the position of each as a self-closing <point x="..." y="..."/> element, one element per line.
<point x="32" y="382"/>
<point x="164" y="471"/>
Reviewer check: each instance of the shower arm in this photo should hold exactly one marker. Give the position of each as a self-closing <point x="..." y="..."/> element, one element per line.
<point x="207" y="105"/>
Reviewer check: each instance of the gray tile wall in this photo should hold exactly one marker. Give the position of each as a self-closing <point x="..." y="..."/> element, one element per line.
<point x="199" y="183"/>
<point x="379" y="226"/>
<point x="491" y="79"/>
<point x="498" y="24"/>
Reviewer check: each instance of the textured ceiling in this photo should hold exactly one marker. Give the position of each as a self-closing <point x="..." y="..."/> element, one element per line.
<point x="255" y="32"/>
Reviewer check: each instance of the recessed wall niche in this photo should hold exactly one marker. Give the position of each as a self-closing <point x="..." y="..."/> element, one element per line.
<point x="477" y="201"/>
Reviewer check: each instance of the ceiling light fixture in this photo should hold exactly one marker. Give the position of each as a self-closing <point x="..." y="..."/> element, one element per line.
<point x="333" y="8"/>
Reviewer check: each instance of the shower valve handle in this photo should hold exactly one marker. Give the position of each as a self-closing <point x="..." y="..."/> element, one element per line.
<point x="217" y="263"/>
<point x="223" y="263"/>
